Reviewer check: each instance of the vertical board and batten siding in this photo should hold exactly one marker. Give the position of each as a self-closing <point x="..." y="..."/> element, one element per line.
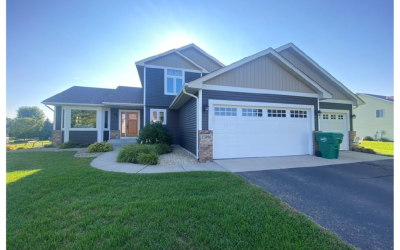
<point x="201" y="59"/>
<point x="172" y="120"/>
<point x="187" y="125"/>
<point x="58" y="111"/>
<point x="251" y="97"/>
<point x="172" y="60"/>
<point x="83" y="136"/>
<point x="114" y="118"/>
<point x="340" y="106"/>
<point x="318" y="77"/>
<point x="261" y="73"/>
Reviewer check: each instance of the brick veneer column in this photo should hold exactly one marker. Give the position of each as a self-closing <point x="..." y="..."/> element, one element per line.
<point x="315" y="143"/>
<point x="114" y="134"/>
<point x="56" y="137"/>
<point x="352" y="135"/>
<point x="206" y="139"/>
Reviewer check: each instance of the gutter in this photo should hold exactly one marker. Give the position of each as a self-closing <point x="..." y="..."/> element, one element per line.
<point x="49" y="107"/>
<point x="197" y="118"/>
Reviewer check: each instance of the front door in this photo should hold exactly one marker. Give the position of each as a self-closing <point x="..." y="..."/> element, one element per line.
<point x="129" y="124"/>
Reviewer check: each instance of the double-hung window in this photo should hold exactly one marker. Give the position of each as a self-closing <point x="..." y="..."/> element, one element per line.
<point x="379" y="113"/>
<point x="158" y="115"/>
<point x="174" y="81"/>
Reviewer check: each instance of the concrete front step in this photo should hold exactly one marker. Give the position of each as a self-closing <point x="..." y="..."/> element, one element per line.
<point x="122" y="142"/>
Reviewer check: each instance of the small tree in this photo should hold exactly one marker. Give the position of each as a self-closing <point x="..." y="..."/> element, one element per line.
<point x="30" y="112"/>
<point x="46" y="130"/>
<point x="25" y="128"/>
<point x="8" y="125"/>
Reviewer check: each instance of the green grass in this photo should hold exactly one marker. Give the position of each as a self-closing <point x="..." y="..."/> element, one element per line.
<point x="20" y="142"/>
<point x="68" y="204"/>
<point x="384" y="148"/>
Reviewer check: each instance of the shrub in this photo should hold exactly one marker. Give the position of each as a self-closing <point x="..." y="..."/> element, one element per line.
<point x="10" y="147"/>
<point x="384" y="139"/>
<point x="69" y="144"/>
<point x="83" y="145"/>
<point x="148" y="159"/>
<point x="50" y="145"/>
<point x="162" y="148"/>
<point x="368" y="138"/>
<point x="368" y="151"/>
<point x="155" y="132"/>
<point x="100" y="147"/>
<point x="130" y="153"/>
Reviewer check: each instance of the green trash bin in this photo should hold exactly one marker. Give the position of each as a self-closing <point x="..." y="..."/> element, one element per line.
<point x="329" y="144"/>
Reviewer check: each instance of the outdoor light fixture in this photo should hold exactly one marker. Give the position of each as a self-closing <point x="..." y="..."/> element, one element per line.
<point x="353" y="116"/>
<point x="205" y="107"/>
<point x="318" y="112"/>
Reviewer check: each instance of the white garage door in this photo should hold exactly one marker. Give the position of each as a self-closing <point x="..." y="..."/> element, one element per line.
<point x="335" y="122"/>
<point x="245" y="131"/>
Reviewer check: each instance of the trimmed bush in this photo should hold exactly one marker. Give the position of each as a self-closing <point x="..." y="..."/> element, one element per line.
<point x="148" y="159"/>
<point x="155" y="133"/>
<point x="368" y="138"/>
<point x="71" y="144"/>
<point x="130" y="153"/>
<point x="161" y="149"/>
<point x="100" y="147"/>
<point x="50" y="145"/>
<point x="10" y="147"/>
<point x="384" y="139"/>
<point x="368" y="151"/>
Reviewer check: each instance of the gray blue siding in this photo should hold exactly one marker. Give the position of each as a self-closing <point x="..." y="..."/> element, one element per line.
<point x="191" y="76"/>
<point x="251" y="97"/>
<point x="187" y="126"/>
<point x="58" y="111"/>
<point x="341" y="106"/>
<point x="83" y="136"/>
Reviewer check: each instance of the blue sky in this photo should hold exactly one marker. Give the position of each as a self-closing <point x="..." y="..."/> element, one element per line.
<point x="53" y="45"/>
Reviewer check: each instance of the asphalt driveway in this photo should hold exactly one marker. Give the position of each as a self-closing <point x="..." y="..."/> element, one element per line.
<point x="353" y="200"/>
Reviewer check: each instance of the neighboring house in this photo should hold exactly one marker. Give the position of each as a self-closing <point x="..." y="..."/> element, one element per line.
<point x="376" y="117"/>
<point x="267" y="104"/>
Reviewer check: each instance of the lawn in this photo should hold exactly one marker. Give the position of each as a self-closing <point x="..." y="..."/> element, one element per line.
<point x="57" y="201"/>
<point x="384" y="148"/>
<point x="20" y="142"/>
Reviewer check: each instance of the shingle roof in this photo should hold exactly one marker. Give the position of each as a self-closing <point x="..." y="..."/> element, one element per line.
<point x="88" y="95"/>
<point x="386" y="98"/>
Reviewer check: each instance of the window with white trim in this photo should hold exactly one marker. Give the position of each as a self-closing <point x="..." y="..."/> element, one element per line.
<point x="333" y="117"/>
<point x="252" y="112"/>
<point x="106" y="119"/>
<point x="225" y="111"/>
<point x="158" y="115"/>
<point x="63" y="119"/>
<point x="325" y="116"/>
<point x="298" y="114"/>
<point x="173" y="81"/>
<point x="340" y="117"/>
<point x="276" y="113"/>
<point x="379" y="113"/>
<point x="83" y="119"/>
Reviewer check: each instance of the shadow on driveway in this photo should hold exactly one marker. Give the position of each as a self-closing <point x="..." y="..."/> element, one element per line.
<point x="355" y="200"/>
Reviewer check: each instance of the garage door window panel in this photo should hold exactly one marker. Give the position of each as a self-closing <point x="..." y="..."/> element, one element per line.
<point x="225" y="111"/>
<point x="276" y="113"/>
<point x="298" y="114"/>
<point x="252" y="112"/>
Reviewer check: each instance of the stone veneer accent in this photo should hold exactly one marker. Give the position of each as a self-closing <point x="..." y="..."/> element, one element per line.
<point x="315" y="143"/>
<point x="114" y="134"/>
<point x="352" y="136"/>
<point x="206" y="139"/>
<point x="56" y="137"/>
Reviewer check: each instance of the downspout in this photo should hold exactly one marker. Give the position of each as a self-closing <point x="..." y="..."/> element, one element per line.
<point x="197" y="119"/>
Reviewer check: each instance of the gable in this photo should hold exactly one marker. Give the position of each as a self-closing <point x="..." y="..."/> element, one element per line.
<point x="172" y="60"/>
<point x="201" y="59"/>
<point x="337" y="93"/>
<point x="260" y="73"/>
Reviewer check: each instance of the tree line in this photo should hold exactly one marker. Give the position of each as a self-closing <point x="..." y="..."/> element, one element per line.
<point x="29" y="122"/>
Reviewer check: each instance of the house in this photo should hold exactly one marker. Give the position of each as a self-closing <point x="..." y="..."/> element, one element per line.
<point x="267" y="104"/>
<point x="376" y="117"/>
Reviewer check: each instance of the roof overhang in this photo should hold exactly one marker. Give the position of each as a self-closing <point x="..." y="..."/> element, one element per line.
<point x="143" y="62"/>
<point x="277" y="58"/>
<point x="182" y="98"/>
<point x="71" y="104"/>
<point x="356" y="99"/>
<point x="376" y="98"/>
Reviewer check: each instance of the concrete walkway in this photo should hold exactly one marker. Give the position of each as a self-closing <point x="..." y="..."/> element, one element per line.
<point x="107" y="162"/>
